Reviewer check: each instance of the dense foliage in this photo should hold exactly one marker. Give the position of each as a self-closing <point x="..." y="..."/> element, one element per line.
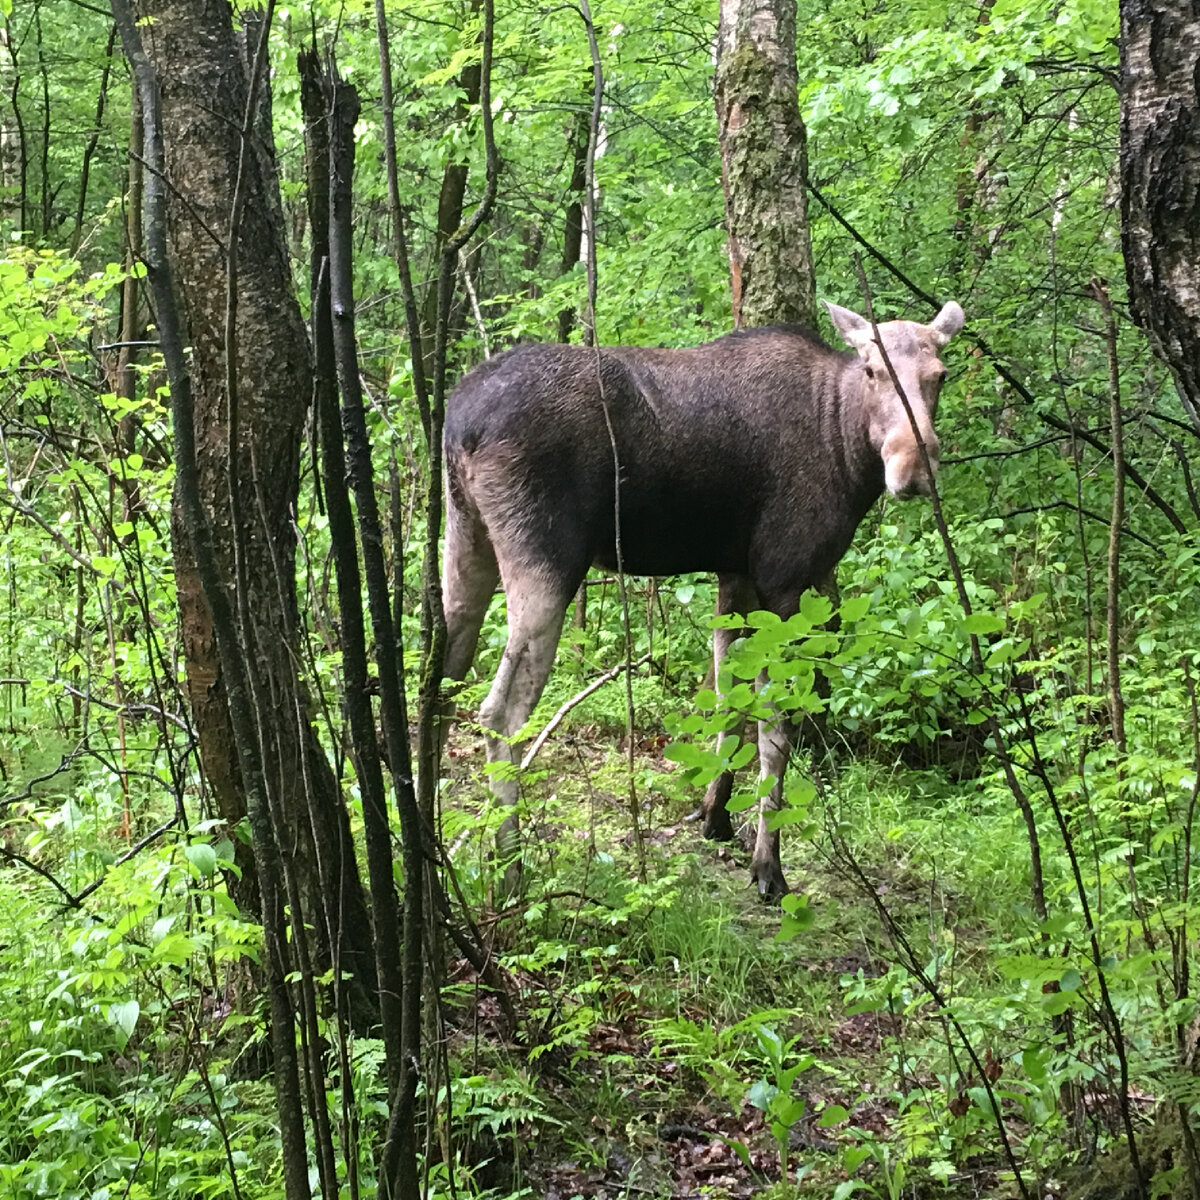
<point x="983" y="985"/>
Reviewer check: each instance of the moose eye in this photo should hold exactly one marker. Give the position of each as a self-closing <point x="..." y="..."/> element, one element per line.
<point x="870" y="372"/>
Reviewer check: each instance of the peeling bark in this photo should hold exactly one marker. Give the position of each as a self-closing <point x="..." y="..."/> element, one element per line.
<point x="1160" y="182"/>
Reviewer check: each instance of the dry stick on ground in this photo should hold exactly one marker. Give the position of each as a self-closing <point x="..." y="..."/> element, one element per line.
<point x="577" y="699"/>
<point x="199" y="533"/>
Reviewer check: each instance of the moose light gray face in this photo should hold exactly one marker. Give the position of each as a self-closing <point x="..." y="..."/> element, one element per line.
<point x="911" y="350"/>
<point x="755" y="456"/>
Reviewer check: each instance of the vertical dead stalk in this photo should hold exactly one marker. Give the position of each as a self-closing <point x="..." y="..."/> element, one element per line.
<point x="399" y="1166"/>
<point x="384" y="901"/>
<point x="1111" y="1019"/>
<point x="433" y="624"/>
<point x="237" y="523"/>
<point x="589" y="339"/>
<point x="412" y="313"/>
<point x="89" y="150"/>
<point x="1116" y="701"/>
<point x="1006" y="763"/>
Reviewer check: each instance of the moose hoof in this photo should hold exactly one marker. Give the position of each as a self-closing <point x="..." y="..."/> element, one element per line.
<point x="717" y="826"/>
<point x="768" y="876"/>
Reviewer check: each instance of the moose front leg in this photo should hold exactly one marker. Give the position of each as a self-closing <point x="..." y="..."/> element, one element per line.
<point x="774" y="745"/>
<point x="735" y="594"/>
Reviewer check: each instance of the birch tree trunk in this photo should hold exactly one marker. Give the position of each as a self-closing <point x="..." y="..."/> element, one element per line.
<point x="764" y="163"/>
<point x="1160" y="182"/>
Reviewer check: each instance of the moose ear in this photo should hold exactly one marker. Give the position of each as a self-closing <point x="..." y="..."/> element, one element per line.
<point x="850" y="325"/>
<point x="947" y="323"/>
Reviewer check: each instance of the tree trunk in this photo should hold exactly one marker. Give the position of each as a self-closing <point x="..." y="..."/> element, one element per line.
<point x="204" y="89"/>
<point x="573" y="222"/>
<point x="1160" y="182"/>
<point x="764" y="163"/>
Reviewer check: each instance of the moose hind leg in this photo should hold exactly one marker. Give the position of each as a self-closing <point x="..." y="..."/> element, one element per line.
<point x="735" y="594"/>
<point x="774" y="745"/>
<point x="469" y="582"/>
<point x="470" y="576"/>
<point x="535" y="616"/>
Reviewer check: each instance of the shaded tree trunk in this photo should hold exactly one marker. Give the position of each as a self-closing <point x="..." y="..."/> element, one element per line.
<point x="204" y="88"/>
<point x="1160" y="182"/>
<point x="764" y="163"/>
<point x="573" y="223"/>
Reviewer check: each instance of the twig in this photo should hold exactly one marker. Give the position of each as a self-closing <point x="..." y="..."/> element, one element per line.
<point x="465" y="274"/>
<point x="589" y="339"/>
<point x="13" y="856"/>
<point x="1003" y="371"/>
<point x="579" y="697"/>
<point x="133" y="850"/>
<point x="1086" y="512"/>
<point x="132" y="710"/>
<point x="1001" y="747"/>
<point x="64" y="764"/>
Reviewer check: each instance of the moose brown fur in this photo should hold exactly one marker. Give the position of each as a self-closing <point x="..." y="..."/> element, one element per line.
<point x="755" y="457"/>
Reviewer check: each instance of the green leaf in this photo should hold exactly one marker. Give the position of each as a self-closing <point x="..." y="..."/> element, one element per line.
<point x="745" y="753"/>
<point x="123" y="1018"/>
<point x="982" y="622"/>
<point x="816" y="608"/>
<point x="855" y="608"/>
<point x="853" y="1157"/>
<point x="203" y="857"/>
<point x="834" y="1114"/>
<point x="739" y="1148"/>
<point x="741" y="801"/>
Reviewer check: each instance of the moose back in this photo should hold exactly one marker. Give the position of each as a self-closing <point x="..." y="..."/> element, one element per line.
<point x="755" y="457"/>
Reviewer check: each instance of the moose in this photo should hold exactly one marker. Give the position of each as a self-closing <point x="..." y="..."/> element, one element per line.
<point x="754" y="457"/>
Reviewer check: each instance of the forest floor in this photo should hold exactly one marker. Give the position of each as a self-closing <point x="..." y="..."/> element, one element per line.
<point x="673" y="1044"/>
